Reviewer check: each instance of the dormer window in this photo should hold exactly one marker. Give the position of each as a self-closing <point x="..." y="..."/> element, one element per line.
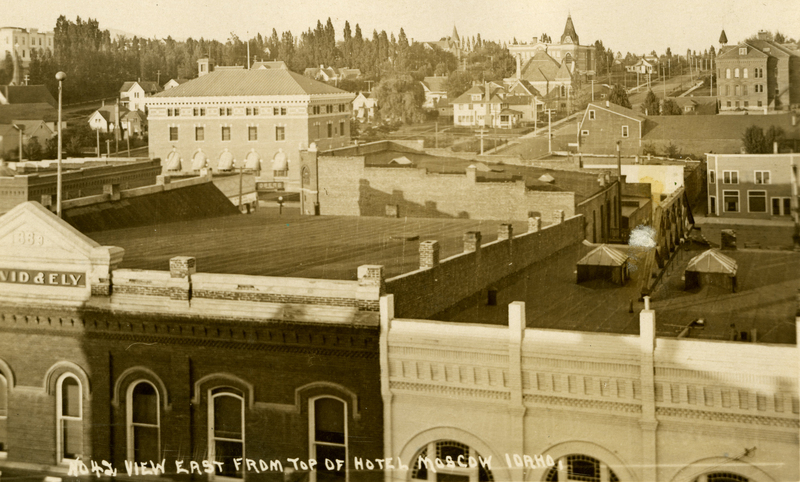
<point x="742" y="50"/>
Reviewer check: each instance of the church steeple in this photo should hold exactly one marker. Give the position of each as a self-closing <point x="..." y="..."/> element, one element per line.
<point x="723" y="39"/>
<point x="454" y="37"/>
<point x="569" y="36"/>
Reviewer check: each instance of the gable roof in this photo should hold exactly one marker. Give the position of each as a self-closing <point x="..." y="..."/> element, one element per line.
<point x="563" y="73"/>
<point x="435" y="84"/>
<point x="107" y="111"/>
<point x="176" y="81"/>
<point x="38" y="111"/>
<point x="148" y="86"/>
<point x="261" y="82"/>
<point x="712" y="261"/>
<point x="604" y="255"/>
<point x="272" y="64"/>
<point x="26" y="94"/>
<point x="617" y="109"/>
<point x="541" y="68"/>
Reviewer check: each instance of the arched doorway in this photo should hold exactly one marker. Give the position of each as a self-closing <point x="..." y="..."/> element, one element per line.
<point x="580" y="468"/>
<point x="449" y="461"/>
<point x="199" y="161"/>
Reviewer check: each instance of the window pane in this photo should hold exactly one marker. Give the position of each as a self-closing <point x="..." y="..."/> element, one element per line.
<point x="329" y="420"/>
<point x="145" y="404"/>
<point x="225" y="452"/>
<point x="758" y="203"/>
<point x="787" y="206"/>
<point x="776" y="206"/>
<point x="333" y="454"/>
<point x="72" y="438"/>
<point x="228" y="417"/>
<point x="145" y="444"/>
<point x="70" y="398"/>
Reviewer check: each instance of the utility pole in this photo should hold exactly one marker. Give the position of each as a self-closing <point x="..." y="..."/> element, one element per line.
<point x="158" y="77"/>
<point x="98" y="143"/>
<point x="241" y="174"/>
<point x="436" y="136"/>
<point x="592" y="90"/>
<point x="549" y="133"/>
<point x="619" y="191"/>
<point x="128" y="137"/>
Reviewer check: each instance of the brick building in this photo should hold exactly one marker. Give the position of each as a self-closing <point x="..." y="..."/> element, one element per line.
<point x="753" y="186"/>
<point x="758" y="75"/>
<point x="261" y="118"/>
<point x="19" y="42"/>
<point x="362" y="181"/>
<point x="161" y="367"/>
<point x="78" y="180"/>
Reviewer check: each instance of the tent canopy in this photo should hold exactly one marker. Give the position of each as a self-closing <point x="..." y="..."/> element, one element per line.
<point x="603" y="255"/>
<point x="712" y="261"/>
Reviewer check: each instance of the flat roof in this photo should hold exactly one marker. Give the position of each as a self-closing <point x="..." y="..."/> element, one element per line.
<point x="583" y="184"/>
<point x="767" y="284"/>
<point x="322" y="247"/>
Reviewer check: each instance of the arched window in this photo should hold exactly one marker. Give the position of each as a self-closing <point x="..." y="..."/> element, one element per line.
<point x="563" y="91"/>
<point x="465" y="464"/>
<point x="735" y="90"/>
<point x="226" y="429"/>
<point x="3" y="413"/>
<point x="144" y="422"/>
<point x="744" y="73"/>
<point x="727" y="73"/>
<point x="69" y="423"/>
<point x="736" y="72"/>
<point x="328" y="433"/>
<point x="579" y="467"/>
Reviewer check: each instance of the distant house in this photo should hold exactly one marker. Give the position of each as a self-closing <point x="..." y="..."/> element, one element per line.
<point x="20" y="103"/>
<point x="104" y="119"/>
<point x="435" y="88"/>
<point x="174" y="83"/>
<point x="36" y="130"/>
<point x="273" y="64"/>
<point x="756" y="186"/>
<point x="364" y="106"/>
<point x="604" y="124"/>
<point x="132" y="94"/>
<point x="134" y="122"/>
<point x="492" y="105"/>
<point x="646" y="65"/>
<point x="332" y="74"/>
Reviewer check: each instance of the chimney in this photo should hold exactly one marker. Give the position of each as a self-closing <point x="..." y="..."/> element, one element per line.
<point x="794" y="120"/>
<point x="775" y="147"/>
<point x="505" y="231"/>
<point x="472" y="174"/>
<point x="472" y="241"/>
<point x="428" y="254"/>
<point x="181" y="269"/>
<point x="534" y="224"/>
<point x="558" y="216"/>
<point x="608" y="103"/>
<point x="763" y="35"/>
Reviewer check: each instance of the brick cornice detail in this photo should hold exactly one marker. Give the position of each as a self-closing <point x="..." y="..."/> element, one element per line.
<point x="793" y="423"/>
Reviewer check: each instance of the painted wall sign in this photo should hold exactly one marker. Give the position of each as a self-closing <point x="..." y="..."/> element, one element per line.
<point x="46" y="278"/>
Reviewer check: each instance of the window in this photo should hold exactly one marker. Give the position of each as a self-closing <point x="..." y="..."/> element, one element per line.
<point x="341" y="128"/>
<point x="226" y="133"/>
<point x="624" y="131"/>
<point x="441" y="450"/>
<point x="283" y="110"/>
<point x="728" y="91"/>
<point x="330" y="129"/>
<point x="742" y="50"/>
<point x="255" y="110"/>
<point x="199" y="133"/>
<point x="195" y="112"/>
<point x="747" y="102"/>
<point x="757" y="201"/>
<point x="581" y="467"/>
<point x="744" y="73"/>
<point x="712" y="177"/>
<point x="328" y="433"/>
<point x="252" y="133"/>
<point x="584" y="133"/>
<point x="226" y="111"/>
<point x="3" y="413"/>
<point x="781" y="206"/>
<point x="280" y="133"/>
<point x="329" y="109"/>
<point x="173" y="133"/>
<point x="735" y="90"/>
<point x="591" y="115"/>
<point x="169" y="112"/>
<point x="727" y="73"/>
<point x="177" y="112"/>
<point x="144" y="425"/>
<point x="736" y="72"/>
<point x="729" y="102"/>
<point x="226" y="430"/>
<point x="744" y="90"/>
<point x="760" y="103"/>
<point x="69" y="423"/>
<point x="712" y="205"/>
<point x="248" y="111"/>
<point x="202" y="111"/>
<point x="730" y="177"/>
<point x="731" y="201"/>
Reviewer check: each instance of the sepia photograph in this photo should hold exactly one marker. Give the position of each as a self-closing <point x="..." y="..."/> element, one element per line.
<point x="399" y="241"/>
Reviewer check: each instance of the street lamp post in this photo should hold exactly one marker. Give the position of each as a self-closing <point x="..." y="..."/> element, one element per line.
<point x="280" y="204"/>
<point x="60" y="76"/>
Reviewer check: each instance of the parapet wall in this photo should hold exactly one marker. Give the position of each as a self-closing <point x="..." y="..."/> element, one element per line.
<point x="439" y="285"/>
<point x="348" y="188"/>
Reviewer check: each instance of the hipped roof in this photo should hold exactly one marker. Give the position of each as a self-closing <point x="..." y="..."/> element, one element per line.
<point x="604" y="255"/>
<point x="712" y="261"/>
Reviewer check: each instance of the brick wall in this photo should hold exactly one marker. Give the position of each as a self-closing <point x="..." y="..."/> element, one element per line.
<point x="425" y="292"/>
<point x="349" y="188"/>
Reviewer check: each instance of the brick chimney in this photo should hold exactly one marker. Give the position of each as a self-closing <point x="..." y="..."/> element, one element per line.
<point x="428" y="254"/>
<point x="534" y="224"/>
<point x="505" y="231"/>
<point x="472" y="241"/>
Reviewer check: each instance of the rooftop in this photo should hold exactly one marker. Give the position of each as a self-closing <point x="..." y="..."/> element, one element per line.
<point x="260" y="82"/>
<point x="263" y="243"/>
<point x="26" y="94"/>
<point x="767" y="285"/>
<point x="715" y="127"/>
<point x="37" y="111"/>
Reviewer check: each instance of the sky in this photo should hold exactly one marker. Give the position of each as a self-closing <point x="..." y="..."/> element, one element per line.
<point x="626" y="26"/>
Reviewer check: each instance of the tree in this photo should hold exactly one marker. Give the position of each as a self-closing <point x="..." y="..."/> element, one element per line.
<point x="671" y="108"/>
<point x="400" y="97"/>
<point x="754" y="140"/>
<point x="774" y="134"/>
<point x="650" y="105"/>
<point x="458" y="83"/>
<point x="619" y="96"/>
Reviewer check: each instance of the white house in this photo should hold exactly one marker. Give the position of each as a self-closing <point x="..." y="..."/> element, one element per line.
<point x="132" y="94"/>
<point x="364" y="106"/>
<point x="104" y="119"/>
